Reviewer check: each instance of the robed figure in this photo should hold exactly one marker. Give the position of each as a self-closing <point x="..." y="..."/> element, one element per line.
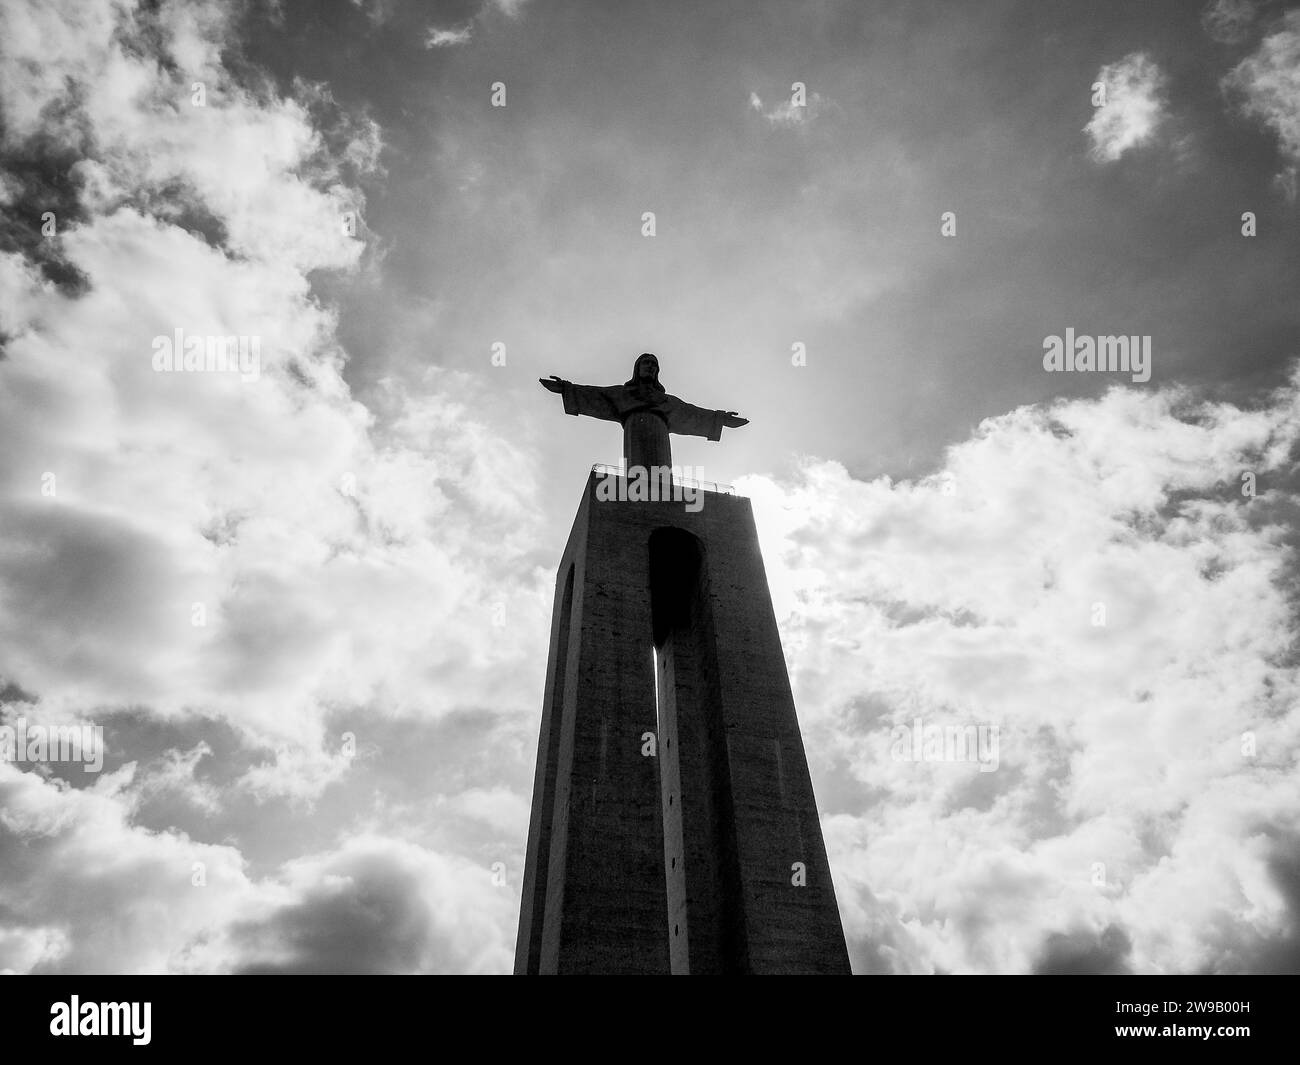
<point x="646" y="411"/>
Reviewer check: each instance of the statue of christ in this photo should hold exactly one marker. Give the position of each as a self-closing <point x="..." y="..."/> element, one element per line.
<point x="646" y="411"/>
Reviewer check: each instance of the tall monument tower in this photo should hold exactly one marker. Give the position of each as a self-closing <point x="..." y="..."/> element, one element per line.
<point x="674" y="828"/>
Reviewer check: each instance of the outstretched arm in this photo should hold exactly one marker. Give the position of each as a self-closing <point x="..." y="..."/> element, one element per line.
<point x="591" y="400"/>
<point x="686" y="419"/>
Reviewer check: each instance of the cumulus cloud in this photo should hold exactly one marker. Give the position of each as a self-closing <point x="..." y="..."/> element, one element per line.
<point x="211" y="553"/>
<point x="1075" y="576"/>
<point x="1267" y="82"/>
<point x="1132" y="110"/>
<point x="82" y="887"/>
<point x="439" y="37"/>
<point x="174" y="775"/>
<point x="246" y="548"/>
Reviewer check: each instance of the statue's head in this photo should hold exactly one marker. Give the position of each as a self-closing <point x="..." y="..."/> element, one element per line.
<point x="646" y="372"/>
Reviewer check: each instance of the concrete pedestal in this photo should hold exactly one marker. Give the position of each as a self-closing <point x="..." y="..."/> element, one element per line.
<point x="674" y="827"/>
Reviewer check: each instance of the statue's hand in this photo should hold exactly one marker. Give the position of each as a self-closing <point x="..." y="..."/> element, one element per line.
<point x="554" y="384"/>
<point x="734" y="421"/>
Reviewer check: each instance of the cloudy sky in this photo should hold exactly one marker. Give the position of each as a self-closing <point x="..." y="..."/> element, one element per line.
<point x="309" y="608"/>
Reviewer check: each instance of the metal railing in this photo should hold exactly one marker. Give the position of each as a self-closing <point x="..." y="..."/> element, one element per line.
<point x="607" y="470"/>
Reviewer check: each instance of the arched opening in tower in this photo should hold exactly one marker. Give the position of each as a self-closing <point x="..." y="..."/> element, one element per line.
<point x="701" y="866"/>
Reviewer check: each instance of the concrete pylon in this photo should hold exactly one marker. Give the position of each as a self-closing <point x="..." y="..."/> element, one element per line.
<point x="674" y="827"/>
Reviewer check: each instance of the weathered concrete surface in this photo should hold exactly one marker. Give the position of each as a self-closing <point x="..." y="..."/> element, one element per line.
<point x="728" y="793"/>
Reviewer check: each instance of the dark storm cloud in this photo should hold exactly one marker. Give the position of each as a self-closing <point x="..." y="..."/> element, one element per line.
<point x="73" y="581"/>
<point x="1277" y="954"/>
<point x="377" y="906"/>
<point x="1282" y="955"/>
<point x="37" y="177"/>
<point x="1085" y="953"/>
<point x="374" y="922"/>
